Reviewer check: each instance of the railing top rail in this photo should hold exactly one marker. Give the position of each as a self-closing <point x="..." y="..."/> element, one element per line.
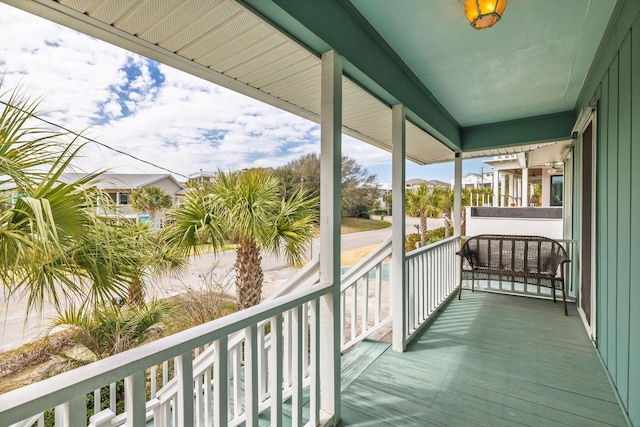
<point x="308" y="275"/>
<point x="19" y="404"/>
<point x="416" y="252"/>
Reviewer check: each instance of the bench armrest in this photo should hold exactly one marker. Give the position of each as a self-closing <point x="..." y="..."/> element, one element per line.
<point x="466" y="253"/>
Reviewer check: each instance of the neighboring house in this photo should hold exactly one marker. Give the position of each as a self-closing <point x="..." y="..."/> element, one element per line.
<point x="476" y="180"/>
<point x="201" y="177"/>
<point x="414" y="183"/>
<point x="120" y="187"/>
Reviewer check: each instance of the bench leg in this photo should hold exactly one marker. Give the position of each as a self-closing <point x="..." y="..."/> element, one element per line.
<point x="460" y="286"/>
<point x="553" y="287"/>
<point x="564" y="300"/>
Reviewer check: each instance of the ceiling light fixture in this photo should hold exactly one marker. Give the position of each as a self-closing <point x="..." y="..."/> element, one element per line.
<point x="484" y="13"/>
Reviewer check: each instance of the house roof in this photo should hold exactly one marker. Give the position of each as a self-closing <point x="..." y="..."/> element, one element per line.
<point x="121" y="181"/>
<point x="429" y="183"/>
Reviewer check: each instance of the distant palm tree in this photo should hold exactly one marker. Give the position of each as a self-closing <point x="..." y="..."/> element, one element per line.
<point x="248" y="208"/>
<point x="150" y="200"/>
<point x="53" y="245"/>
<point x="422" y="202"/>
<point x="446" y="206"/>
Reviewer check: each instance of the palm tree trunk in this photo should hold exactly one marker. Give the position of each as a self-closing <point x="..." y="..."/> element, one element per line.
<point x="463" y="226"/>
<point x="136" y="292"/>
<point x="249" y="275"/>
<point x="423" y="230"/>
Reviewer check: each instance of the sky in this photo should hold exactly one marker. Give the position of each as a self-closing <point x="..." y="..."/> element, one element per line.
<point x="159" y="114"/>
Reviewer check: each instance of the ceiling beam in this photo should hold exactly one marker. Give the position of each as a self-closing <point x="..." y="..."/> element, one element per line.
<point x="335" y="24"/>
<point x="551" y="127"/>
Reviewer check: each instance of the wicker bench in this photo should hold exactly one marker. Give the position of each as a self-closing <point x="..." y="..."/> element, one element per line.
<point x="521" y="259"/>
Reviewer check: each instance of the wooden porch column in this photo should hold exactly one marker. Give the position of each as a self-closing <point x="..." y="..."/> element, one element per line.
<point x="398" y="285"/>
<point x="496" y="187"/>
<point x="330" y="215"/>
<point x="525" y="186"/>
<point x="457" y="195"/>
<point x="503" y="189"/>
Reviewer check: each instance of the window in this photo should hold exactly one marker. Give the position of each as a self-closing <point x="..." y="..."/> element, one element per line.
<point x="557" y="190"/>
<point x="124" y="199"/>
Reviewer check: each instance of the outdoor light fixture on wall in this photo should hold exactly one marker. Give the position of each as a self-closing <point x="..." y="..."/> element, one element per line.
<point x="484" y="13"/>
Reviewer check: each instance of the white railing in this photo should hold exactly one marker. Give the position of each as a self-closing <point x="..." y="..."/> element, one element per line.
<point x="365" y="293"/>
<point x="231" y="382"/>
<point x="480" y="199"/>
<point x="222" y="373"/>
<point x="431" y="274"/>
<point x="533" y="289"/>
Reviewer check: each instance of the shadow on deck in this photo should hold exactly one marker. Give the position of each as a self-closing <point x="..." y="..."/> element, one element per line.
<point x="488" y="360"/>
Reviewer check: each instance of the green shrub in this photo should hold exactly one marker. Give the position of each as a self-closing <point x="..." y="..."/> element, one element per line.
<point x="412" y="240"/>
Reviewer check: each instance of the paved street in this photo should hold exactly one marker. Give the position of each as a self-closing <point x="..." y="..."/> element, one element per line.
<point x="14" y="331"/>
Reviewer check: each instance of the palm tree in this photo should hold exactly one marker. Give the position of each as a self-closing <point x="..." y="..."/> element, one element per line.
<point x="248" y="208"/>
<point x="151" y="200"/>
<point x="109" y="329"/>
<point x="422" y="202"/>
<point x="446" y="206"/>
<point x="52" y="243"/>
<point x="149" y="256"/>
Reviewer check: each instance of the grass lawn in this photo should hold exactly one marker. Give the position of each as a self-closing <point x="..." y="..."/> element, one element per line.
<point x="355" y="225"/>
<point x="351" y="257"/>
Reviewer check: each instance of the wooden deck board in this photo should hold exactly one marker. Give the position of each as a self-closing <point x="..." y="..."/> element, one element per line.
<point x="489" y="359"/>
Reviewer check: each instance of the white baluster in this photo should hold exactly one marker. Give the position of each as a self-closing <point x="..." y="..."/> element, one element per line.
<point x="251" y="375"/>
<point x="314" y="368"/>
<point x="378" y="293"/>
<point x="220" y="382"/>
<point x="275" y="368"/>
<point x="135" y="399"/>
<point x="183" y="371"/>
<point x="354" y="309"/>
<point x="72" y="413"/>
<point x="299" y="353"/>
<point x="365" y="304"/>
<point x="154" y="385"/>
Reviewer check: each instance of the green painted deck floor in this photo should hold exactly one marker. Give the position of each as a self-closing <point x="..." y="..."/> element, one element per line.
<point x="488" y="360"/>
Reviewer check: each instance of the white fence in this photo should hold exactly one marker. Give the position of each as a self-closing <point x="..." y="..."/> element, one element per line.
<point x="431" y="275"/>
<point x="365" y="294"/>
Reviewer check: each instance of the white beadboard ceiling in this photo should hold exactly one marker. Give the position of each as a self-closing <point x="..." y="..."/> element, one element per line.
<point x="227" y="44"/>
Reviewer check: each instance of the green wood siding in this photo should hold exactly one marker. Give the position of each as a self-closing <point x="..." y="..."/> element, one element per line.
<point x="602" y="294"/>
<point x="634" y="291"/>
<point x="624" y="214"/>
<point x="612" y="206"/>
<point x="615" y="83"/>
